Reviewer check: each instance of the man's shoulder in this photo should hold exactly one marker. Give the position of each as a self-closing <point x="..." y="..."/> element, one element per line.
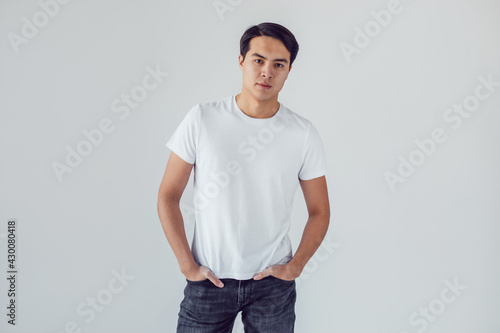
<point x="204" y="109"/>
<point x="215" y="104"/>
<point x="294" y="117"/>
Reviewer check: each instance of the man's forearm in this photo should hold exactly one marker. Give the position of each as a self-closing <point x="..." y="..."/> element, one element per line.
<point x="312" y="237"/>
<point x="172" y="222"/>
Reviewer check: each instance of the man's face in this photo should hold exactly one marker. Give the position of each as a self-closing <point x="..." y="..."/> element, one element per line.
<point x="265" y="68"/>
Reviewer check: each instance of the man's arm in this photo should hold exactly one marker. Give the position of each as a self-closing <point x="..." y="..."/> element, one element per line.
<point x="318" y="206"/>
<point x="170" y="192"/>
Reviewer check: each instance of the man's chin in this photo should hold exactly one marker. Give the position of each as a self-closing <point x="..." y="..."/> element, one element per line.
<point x="264" y="96"/>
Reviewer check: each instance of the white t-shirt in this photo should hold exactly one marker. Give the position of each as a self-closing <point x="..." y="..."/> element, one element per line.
<point x="246" y="173"/>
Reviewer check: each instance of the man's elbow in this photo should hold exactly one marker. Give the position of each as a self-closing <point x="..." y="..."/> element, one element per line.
<point x="165" y="199"/>
<point x="323" y="211"/>
<point x="321" y="217"/>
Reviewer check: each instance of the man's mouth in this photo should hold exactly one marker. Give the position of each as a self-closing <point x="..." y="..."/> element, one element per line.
<point x="264" y="86"/>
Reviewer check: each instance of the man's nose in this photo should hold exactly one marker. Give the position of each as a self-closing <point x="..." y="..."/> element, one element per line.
<point x="267" y="71"/>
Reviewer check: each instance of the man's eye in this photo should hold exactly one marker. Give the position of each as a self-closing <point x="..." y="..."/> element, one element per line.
<point x="258" y="60"/>
<point x="279" y="65"/>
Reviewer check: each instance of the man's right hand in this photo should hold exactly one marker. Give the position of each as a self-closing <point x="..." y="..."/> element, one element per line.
<point x="201" y="273"/>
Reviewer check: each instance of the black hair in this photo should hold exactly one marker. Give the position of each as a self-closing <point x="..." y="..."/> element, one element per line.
<point x="272" y="30"/>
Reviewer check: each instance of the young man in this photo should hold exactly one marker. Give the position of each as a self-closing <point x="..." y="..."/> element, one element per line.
<point x="249" y="153"/>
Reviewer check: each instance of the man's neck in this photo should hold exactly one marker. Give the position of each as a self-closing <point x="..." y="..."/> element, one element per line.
<point x="255" y="108"/>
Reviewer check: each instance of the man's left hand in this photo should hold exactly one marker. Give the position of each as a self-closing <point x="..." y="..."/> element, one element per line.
<point x="285" y="272"/>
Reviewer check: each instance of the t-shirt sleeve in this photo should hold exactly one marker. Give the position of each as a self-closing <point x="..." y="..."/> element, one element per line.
<point x="185" y="138"/>
<point x="313" y="156"/>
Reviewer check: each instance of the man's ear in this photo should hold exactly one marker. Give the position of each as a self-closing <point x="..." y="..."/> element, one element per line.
<point x="290" y="69"/>
<point x="240" y="61"/>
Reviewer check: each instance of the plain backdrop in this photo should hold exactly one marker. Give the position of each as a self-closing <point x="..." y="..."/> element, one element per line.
<point x="420" y="255"/>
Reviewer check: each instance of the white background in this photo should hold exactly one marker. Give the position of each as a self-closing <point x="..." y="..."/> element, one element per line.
<point x="388" y="252"/>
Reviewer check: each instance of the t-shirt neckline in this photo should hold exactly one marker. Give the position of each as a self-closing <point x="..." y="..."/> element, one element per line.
<point x="245" y="116"/>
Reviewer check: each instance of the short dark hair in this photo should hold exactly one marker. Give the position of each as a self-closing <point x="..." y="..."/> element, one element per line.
<point x="272" y="30"/>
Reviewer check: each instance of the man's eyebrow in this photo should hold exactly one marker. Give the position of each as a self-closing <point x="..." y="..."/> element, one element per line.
<point x="255" y="54"/>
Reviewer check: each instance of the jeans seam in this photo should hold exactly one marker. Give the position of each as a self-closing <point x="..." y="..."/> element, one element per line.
<point x="239" y="289"/>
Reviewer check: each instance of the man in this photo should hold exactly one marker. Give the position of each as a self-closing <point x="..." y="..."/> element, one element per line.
<point x="249" y="153"/>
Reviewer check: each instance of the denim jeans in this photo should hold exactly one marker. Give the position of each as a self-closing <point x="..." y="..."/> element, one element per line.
<point x="266" y="305"/>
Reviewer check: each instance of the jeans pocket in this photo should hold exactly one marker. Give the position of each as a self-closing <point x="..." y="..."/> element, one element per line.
<point x="199" y="281"/>
<point x="288" y="281"/>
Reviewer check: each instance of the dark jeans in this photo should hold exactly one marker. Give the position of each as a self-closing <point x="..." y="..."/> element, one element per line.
<point x="267" y="306"/>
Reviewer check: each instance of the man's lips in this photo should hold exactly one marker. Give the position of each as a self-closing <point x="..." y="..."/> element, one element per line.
<point x="263" y="85"/>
